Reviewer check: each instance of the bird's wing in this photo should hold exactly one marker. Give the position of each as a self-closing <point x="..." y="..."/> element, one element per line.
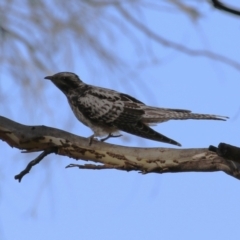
<point x="107" y="106"/>
<point x="129" y="101"/>
<point x="142" y="130"/>
<point x="111" y="106"/>
<point x="104" y="93"/>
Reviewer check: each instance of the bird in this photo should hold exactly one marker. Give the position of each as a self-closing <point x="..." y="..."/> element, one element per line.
<point x="107" y="111"/>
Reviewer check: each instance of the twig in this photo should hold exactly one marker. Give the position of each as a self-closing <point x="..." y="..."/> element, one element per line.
<point x="90" y="166"/>
<point x="223" y="7"/>
<point x="34" y="162"/>
<point x="167" y="43"/>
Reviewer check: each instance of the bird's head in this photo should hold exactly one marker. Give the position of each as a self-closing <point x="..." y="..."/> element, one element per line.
<point x="65" y="81"/>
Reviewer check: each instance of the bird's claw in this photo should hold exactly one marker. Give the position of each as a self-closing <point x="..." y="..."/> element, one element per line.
<point x="92" y="137"/>
<point x="109" y="136"/>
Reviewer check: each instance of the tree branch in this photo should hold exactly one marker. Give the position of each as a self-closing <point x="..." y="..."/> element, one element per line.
<point x="34" y="162"/>
<point x="227" y="151"/>
<point x="217" y="4"/>
<point x="167" y="43"/>
<point x="144" y="160"/>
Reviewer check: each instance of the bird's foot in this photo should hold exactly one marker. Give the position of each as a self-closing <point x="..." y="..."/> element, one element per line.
<point x="109" y="136"/>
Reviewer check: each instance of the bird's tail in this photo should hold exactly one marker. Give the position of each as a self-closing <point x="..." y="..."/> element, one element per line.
<point x="162" y="115"/>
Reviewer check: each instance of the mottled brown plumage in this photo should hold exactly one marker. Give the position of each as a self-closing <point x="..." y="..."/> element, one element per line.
<point x="106" y="111"/>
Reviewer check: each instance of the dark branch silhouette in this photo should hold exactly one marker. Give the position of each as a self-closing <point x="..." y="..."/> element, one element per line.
<point x="34" y="162"/>
<point x="217" y="4"/>
<point x="227" y="151"/>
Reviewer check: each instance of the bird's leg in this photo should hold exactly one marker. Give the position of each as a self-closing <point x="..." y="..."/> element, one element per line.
<point x="91" y="138"/>
<point x="109" y="136"/>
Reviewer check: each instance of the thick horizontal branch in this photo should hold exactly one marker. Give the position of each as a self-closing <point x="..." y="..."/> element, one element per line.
<point x="145" y="160"/>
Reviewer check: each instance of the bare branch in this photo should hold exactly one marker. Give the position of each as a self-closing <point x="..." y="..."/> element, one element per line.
<point x="227" y="151"/>
<point x="34" y="162"/>
<point x="91" y="166"/>
<point x="144" y="160"/>
<point x="217" y="4"/>
<point x="167" y="43"/>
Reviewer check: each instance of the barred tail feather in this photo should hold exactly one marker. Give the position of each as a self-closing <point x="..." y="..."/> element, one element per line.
<point x="157" y="117"/>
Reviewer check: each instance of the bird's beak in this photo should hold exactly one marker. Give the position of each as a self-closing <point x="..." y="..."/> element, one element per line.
<point x="48" y="77"/>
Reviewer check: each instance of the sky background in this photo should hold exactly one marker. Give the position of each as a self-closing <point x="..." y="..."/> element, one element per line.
<point x="52" y="202"/>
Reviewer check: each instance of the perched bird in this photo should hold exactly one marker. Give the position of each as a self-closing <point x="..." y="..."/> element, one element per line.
<point x="107" y="111"/>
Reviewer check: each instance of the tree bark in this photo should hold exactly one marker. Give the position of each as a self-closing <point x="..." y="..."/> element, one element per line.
<point x="107" y="156"/>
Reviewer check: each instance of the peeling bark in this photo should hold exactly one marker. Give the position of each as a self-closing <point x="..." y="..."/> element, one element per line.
<point x="107" y="156"/>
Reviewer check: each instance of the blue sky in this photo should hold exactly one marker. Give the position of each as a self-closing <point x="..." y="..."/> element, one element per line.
<point x="57" y="203"/>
